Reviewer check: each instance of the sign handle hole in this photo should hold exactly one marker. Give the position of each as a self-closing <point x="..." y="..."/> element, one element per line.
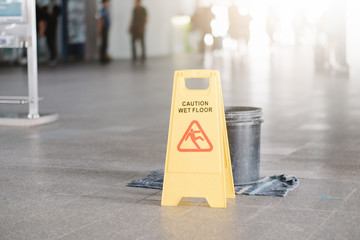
<point x="197" y="83"/>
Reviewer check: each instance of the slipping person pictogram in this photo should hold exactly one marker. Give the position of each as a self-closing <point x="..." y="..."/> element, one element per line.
<point x="195" y="133"/>
<point x="191" y="134"/>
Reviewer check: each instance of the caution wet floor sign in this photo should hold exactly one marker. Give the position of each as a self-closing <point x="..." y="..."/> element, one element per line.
<point x="197" y="159"/>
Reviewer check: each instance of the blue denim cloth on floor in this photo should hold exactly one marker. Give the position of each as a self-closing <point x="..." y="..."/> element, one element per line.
<point x="277" y="185"/>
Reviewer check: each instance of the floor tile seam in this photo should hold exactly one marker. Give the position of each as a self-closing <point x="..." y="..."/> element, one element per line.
<point x="254" y="206"/>
<point x="329" y="180"/>
<point x="321" y="225"/>
<point x="119" y="199"/>
<point x="37" y="214"/>
<point x="82" y="227"/>
<point x="278" y="205"/>
<point x="303" y="209"/>
<point x="65" y="206"/>
<point x="295" y="150"/>
<point x="84" y="185"/>
<point x="351" y="211"/>
<point x="186" y="212"/>
<point x="333" y="157"/>
<point x="60" y="167"/>
<point x="114" y="187"/>
<point x="27" y="181"/>
<point x="348" y="196"/>
<point x="257" y="213"/>
<point x="89" y="197"/>
<point x="140" y="200"/>
<point x="99" y="186"/>
<point x="74" y="200"/>
<point x="279" y="159"/>
<point x="46" y="166"/>
<point x="62" y="204"/>
<point x="126" y="181"/>
<point x="146" y="198"/>
<point x="183" y="213"/>
<point x="303" y="146"/>
<point x="146" y="237"/>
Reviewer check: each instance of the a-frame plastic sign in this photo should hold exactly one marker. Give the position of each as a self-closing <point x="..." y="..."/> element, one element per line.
<point x="197" y="159"/>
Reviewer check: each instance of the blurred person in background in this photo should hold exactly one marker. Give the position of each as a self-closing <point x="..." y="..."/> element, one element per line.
<point x="42" y="48"/>
<point x="137" y="30"/>
<point x="239" y="28"/>
<point x="103" y="31"/>
<point x="40" y="21"/>
<point x="330" y="51"/>
<point x="201" y="21"/>
<point x="272" y="22"/>
<point x="299" y="24"/>
<point x="50" y="33"/>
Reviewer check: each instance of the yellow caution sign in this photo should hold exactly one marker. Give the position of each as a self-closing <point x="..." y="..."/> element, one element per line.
<point x="198" y="158"/>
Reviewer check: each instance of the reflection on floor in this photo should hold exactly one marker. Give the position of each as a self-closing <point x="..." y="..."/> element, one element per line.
<point x="67" y="180"/>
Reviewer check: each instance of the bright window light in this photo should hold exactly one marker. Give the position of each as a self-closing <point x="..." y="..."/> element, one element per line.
<point x="208" y="40"/>
<point x="220" y="24"/>
<point x="180" y="20"/>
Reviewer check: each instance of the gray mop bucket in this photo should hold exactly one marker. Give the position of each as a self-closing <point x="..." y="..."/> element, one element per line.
<point x="244" y="132"/>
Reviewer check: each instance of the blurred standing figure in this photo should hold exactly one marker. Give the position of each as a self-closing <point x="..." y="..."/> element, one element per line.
<point x="42" y="51"/>
<point x="103" y="30"/>
<point x="239" y="24"/>
<point x="137" y="29"/>
<point x="299" y="23"/>
<point x="40" y="21"/>
<point x="50" y="33"/>
<point x="201" y="21"/>
<point x="335" y="29"/>
<point x="272" y="22"/>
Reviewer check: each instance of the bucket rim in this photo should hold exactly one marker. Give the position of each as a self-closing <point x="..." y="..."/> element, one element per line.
<point x="244" y="123"/>
<point x="242" y="109"/>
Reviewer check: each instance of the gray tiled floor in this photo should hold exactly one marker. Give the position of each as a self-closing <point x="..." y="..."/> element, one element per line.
<point x="67" y="180"/>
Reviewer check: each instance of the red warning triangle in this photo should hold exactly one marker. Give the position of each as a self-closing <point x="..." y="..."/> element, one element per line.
<point x="194" y="139"/>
